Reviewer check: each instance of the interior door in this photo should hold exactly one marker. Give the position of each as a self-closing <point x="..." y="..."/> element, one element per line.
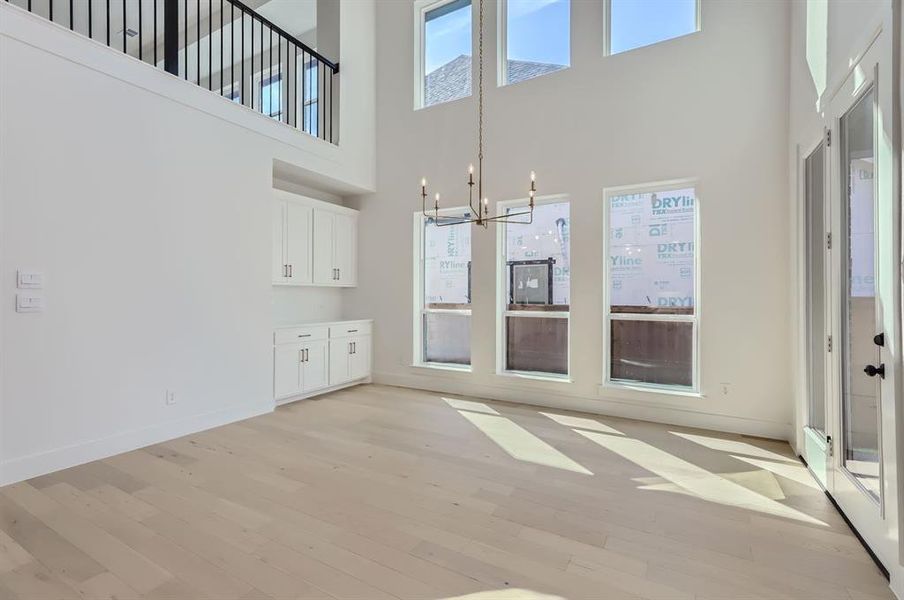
<point x="298" y="243"/>
<point x="316" y="366"/>
<point x="816" y="213"/>
<point x="324" y="267"/>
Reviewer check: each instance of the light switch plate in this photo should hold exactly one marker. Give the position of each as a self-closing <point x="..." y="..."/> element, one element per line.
<point x="26" y="302"/>
<point x="29" y="279"/>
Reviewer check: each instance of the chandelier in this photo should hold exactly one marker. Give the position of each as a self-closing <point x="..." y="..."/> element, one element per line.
<point x="482" y="210"/>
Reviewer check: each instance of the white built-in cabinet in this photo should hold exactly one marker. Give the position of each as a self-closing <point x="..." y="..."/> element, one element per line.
<point x="312" y="359"/>
<point x="314" y="242"/>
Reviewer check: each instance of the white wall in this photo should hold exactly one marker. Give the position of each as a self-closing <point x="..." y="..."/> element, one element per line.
<point x="712" y="105"/>
<point x="145" y="201"/>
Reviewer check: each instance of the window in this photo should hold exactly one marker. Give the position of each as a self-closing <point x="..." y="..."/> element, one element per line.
<point x="651" y="285"/>
<point x="443" y="328"/>
<point x="535" y="38"/>
<point x="637" y="23"/>
<point x="232" y="92"/>
<point x="269" y="94"/>
<point x="443" y="48"/>
<point x="308" y="88"/>
<point x="536" y="280"/>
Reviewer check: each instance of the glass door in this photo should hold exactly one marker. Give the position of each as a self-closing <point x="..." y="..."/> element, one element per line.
<point x="862" y="338"/>
<point x="816" y="438"/>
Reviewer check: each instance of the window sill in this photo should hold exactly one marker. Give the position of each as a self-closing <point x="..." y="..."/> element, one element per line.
<point x="639" y="388"/>
<point x="536" y="376"/>
<point x="442" y="367"/>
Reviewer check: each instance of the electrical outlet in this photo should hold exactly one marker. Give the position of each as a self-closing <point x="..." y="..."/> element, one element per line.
<point x="725" y="388"/>
<point x="170" y="397"/>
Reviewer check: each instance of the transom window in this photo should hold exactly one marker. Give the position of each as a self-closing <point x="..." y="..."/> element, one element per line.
<point x="443" y="328"/>
<point x="534" y="38"/>
<point x="535" y="269"/>
<point x="636" y="23"/>
<point x="651" y="285"/>
<point x="442" y="51"/>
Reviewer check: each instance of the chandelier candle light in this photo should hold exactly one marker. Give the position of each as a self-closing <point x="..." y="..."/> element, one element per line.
<point x="482" y="210"/>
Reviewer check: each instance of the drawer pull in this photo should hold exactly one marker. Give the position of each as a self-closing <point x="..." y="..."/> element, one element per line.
<point x="305" y="335"/>
<point x="352" y="331"/>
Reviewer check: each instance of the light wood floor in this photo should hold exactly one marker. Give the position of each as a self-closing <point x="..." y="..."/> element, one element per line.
<point x="378" y="492"/>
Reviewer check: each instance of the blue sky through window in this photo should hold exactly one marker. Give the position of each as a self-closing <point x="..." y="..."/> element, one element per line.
<point x="447" y="37"/>
<point x="539" y="31"/>
<point x="637" y="23"/>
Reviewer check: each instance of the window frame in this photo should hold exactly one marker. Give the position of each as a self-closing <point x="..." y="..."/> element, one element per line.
<point x="502" y="313"/>
<point x="421" y="8"/>
<point x="304" y="67"/>
<point x="607" y="30"/>
<point x="502" y="45"/>
<point x="258" y="82"/>
<point x="420" y="309"/>
<point x="609" y="316"/>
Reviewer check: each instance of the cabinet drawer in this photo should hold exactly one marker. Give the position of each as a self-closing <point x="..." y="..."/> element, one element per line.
<point x="295" y="335"/>
<point x="352" y="328"/>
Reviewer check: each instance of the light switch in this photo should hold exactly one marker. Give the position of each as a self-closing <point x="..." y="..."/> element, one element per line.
<point x="29" y="279"/>
<point x="26" y="302"/>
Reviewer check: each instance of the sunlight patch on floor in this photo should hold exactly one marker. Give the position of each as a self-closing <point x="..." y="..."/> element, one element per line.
<point x="470" y="405"/>
<point x="581" y="423"/>
<point x="733" y="446"/>
<point x="521" y="444"/>
<point x="696" y="480"/>
<point x="795" y="472"/>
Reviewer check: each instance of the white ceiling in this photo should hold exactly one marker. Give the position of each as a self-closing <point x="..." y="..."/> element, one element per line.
<point x="293" y="16"/>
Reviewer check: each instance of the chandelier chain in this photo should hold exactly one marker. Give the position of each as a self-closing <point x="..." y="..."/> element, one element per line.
<point x="480" y="87"/>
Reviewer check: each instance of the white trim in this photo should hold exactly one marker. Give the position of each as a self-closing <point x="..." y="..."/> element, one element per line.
<point x="501" y="299"/>
<point x="324" y="390"/>
<point x="33" y="465"/>
<point x="695" y="389"/>
<point x="607" y="30"/>
<point x="560" y="398"/>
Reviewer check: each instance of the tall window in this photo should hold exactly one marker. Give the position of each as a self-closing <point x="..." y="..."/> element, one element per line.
<point x="536" y="271"/>
<point x="443" y="47"/>
<point x="444" y="317"/>
<point x="308" y="93"/>
<point x="269" y="94"/>
<point x="651" y="283"/>
<point x="535" y="37"/>
<point x="637" y="23"/>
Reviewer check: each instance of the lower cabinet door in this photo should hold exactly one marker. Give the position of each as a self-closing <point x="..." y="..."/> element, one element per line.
<point x="316" y="366"/>
<point x="340" y="352"/>
<point x="286" y="370"/>
<point x="359" y="360"/>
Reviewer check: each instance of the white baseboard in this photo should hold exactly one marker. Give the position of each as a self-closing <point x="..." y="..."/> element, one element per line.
<point x="26" y="467"/>
<point x="321" y="391"/>
<point x="602" y="406"/>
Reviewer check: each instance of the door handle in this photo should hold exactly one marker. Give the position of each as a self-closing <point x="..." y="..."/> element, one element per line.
<point x="354" y="348"/>
<point x="290" y="270"/>
<point x="306" y="355"/>
<point x="872" y="371"/>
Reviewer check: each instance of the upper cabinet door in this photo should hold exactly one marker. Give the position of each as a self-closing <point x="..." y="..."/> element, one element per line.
<point x="345" y="249"/>
<point x="324" y="267"/>
<point x="278" y="260"/>
<point x="298" y="243"/>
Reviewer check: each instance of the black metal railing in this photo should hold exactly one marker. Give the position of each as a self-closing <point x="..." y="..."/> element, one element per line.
<point x="221" y="45"/>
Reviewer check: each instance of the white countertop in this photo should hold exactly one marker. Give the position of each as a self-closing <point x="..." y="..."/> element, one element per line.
<point x="321" y="323"/>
